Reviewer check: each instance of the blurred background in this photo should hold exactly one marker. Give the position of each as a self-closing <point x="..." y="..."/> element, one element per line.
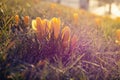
<point x="100" y="7"/>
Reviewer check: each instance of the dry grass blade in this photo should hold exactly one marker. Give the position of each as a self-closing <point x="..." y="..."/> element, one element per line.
<point x="94" y="64"/>
<point x="74" y="63"/>
<point x="12" y="43"/>
<point x="63" y="70"/>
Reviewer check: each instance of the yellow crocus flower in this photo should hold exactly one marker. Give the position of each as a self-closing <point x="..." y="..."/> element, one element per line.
<point x="55" y="26"/>
<point x="66" y="36"/>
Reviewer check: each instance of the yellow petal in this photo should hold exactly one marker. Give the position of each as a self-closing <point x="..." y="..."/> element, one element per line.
<point x="46" y="24"/>
<point x="38" y="24"/>
<point x="66" y="36"/>
<point x="34" y="25"/>
<point x="55" y="24"/>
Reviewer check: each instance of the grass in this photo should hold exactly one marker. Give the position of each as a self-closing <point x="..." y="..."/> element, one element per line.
<point x="26" y="54"/>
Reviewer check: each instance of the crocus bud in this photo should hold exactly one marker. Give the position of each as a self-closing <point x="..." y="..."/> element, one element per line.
<point x="17" y="19"/>
<point x="55" y="24"/>
<point x="53" y="5"/>
<point x="75" y="16"/>
<point x="66" y="36"/>
<point x="26" y="20"/>
<point x="97" y="21"/>
<point x="49" y="29"/>
<point x="45" y="26"/>
<point x="39" y="24"/>
<point x="118" y="36"/>
<point x="74" y="41"/>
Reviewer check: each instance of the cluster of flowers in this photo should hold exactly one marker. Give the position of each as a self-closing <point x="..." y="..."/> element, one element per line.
<point x="49" y="38"/>
<point x="43" y="27"/>
<point x="26" y="20"/>
<point x="53" y="27"/>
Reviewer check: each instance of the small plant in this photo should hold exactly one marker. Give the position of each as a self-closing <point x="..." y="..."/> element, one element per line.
<point x="47" y="44"/>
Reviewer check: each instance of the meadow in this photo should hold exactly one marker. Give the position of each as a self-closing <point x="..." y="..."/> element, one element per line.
<point x="40" y="40"/>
